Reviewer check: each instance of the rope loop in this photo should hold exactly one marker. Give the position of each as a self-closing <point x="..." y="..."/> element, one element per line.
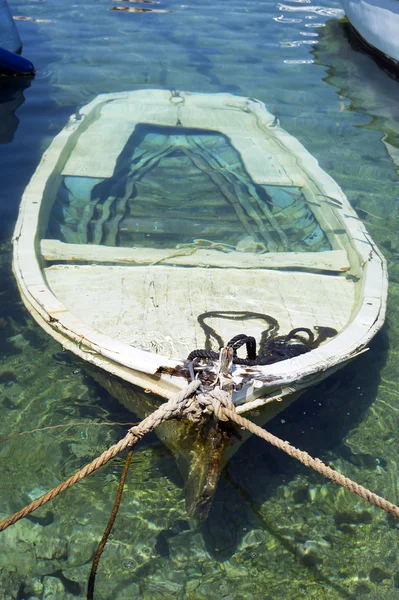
<point x="276" y="349"/>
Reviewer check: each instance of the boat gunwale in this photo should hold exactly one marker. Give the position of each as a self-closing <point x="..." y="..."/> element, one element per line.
<point x="128" y="362"/>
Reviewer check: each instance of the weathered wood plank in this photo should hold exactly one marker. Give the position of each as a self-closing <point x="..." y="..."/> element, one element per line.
<point x="56" y="251"/>
<point x="157" y="308"/>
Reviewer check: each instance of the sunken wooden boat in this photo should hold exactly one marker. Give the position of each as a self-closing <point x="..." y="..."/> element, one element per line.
<point x="160" y="222"/>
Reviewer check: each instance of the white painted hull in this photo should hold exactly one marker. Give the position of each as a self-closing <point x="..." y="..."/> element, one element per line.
<point x="377" y="22"/>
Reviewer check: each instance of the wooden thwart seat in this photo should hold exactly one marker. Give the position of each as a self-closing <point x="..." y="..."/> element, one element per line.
<point x="56" y="251"/>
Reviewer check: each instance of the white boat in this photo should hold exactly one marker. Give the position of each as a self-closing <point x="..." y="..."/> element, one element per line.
<point x="377" y="23"/>
<point x="160" y="222"/>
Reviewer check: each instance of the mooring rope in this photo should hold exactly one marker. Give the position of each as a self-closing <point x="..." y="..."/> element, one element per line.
<point x="66" y="426"/>
<point x="314" y="463"/>
<point x="108" y="529"/>
<point x="166" y="411"/>
<point x="192" y="403"/>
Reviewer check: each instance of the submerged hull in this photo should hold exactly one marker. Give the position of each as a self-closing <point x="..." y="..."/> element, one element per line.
<point x="158" y="223"/>
<point x="201" y="450"/>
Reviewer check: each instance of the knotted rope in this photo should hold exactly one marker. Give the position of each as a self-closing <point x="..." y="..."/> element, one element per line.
<point x="192" y="404"/>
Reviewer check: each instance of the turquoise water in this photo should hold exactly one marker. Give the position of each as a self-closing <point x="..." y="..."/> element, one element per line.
<point x="178" y="200"/>
<point x="276" y="530"/>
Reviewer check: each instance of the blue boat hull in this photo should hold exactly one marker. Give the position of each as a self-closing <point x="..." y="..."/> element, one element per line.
<point x="13" y="64"/>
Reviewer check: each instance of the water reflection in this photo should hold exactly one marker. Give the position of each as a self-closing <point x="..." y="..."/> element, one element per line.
<point x="362" y="79"/>
<point x="11" y="98"/>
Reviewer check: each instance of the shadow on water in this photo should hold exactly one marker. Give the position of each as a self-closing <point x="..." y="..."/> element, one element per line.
<point x="318" y="423"/>
<point x="11" y="98"/>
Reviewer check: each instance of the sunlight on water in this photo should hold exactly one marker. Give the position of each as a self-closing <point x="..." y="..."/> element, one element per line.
<point x="276" y="530"/>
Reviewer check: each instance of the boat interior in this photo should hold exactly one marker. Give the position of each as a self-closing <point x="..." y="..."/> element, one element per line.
<point x="172" y="237"/>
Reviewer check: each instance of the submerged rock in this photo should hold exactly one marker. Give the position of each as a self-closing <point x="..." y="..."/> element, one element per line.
<point x="52" y="547"/>
<point x="253" y="538"/>
<point x="53" y="588"/>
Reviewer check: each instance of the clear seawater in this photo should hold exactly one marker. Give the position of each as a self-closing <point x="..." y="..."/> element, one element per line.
<point x="276" y="529"/>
